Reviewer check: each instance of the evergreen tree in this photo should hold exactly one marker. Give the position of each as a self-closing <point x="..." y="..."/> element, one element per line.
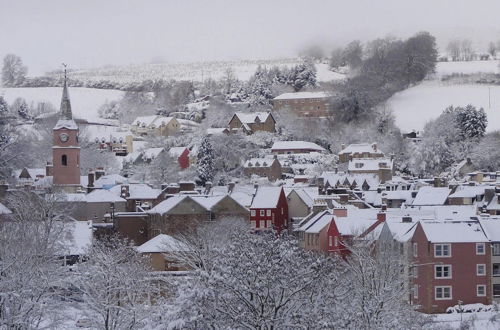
<point x="302" y="75"/>
<point x="472" y="121"/>
<point x="23" y="110"/>
<point x="4" y="107"/>
<point x="259" y="87"/>
<point x="206" y="168"/>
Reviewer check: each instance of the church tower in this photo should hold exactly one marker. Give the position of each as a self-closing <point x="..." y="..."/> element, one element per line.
<point x="65" y="149"/>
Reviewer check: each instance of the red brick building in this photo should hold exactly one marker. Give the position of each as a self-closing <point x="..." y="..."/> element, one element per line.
<point x="269" y="209"/>
<point x="451" y="262"/>
<point x="182" y="155"/>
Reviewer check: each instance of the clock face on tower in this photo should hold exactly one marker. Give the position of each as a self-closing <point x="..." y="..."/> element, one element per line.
<point x="63" y="137"/>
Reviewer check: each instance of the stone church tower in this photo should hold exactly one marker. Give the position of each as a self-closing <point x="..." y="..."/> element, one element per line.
<point x="65" y="149"/>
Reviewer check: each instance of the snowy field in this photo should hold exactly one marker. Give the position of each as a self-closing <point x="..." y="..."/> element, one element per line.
<point x="84" y="101"/>
<point x="196" y="71"/>
<point x="415" y="106"/>
<point x="447" y="68"/>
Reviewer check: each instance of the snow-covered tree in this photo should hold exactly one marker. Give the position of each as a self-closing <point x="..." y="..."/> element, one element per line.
<point x="472" y="122"/>
<point x="117" y="289"/>
<point x="23" y="111"/>
<point x="206" y="168"/>
<point x="254" y="282"/>
<point x="302" y="75"/>
<point x="32" y="276"/>
<point x="13" y="71"/>
<point x="259" y="87"/>
<point x="4" y="107"/>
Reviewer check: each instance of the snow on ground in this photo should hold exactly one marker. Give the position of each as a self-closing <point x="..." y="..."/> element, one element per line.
<point x="482" y="321"/>
<point x="84" y="101"/>
<point x="323" y="73"/>
<point x="415" y="106"/>
<point x="447" y="68"/>
<point x="196" y="71"/>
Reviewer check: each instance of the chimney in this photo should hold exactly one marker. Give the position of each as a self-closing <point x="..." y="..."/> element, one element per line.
<point x="49" y="169"/>
<point x="208" y="187"/>
<point x="468" y="161"/>
<point x="392" y="156"/>
<point x="344" y="198"/>
<point x="374" y="146"/>
<point x="384" y="207"/>
<point x="125" y="191"/>
<point x="99" y="172"/>
<point x="381" y="216"/>
<point x="336" y="169"/>
<point x="90" y="184"/>
<point x="342" y="146"/>
<point x="340" y="212"/>
<point x="230" y="187"/>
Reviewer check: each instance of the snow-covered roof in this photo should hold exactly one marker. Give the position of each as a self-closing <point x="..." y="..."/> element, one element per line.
<point x="468" y="191"/>
<point x="162" y="243"/>
<point x="453" y="232"/>
<point x="146" y="120"/>
<point x="494" y="204"/>
<point x="359" y="148"/>
<point x="431" y="196"/>
<point x="66" y="123"/>
<point x="138" y="191"/>
<point x="103" y="196"/>
<point x="287" y="145"/>
<point x="398" y="195"/>
<point x="208" y="202"/>
<point x="319" y="223"/>
<point x="303" y="195"/>
<point x="491" y="228"/>
<point x="168" y="204"/>
<point x="332" y="178"/>
<point x="356" y="226"/>
<point x="302" y="95"/>
<point x="266" y="197"/>
<point x="307" y="224"/>
<point x="401" y="231"/>
<point x="369" y="164"/>
<point x="259" y="162"/>
<point x="176" y="151"/>
<point x="108" y="181"/>
<point x="151" y="153"/>
<point x="4" y="209"/>
<point x="250" y="117"/>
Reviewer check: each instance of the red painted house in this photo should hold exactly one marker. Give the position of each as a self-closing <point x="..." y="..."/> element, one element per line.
<point x="269" y="209"/>
<point x="330" y="230"/>
<point x="182" y="155"/>
<point x="450" y="263"/>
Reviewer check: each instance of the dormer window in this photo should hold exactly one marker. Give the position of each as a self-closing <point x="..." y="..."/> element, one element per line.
<point x="359" y="165"/>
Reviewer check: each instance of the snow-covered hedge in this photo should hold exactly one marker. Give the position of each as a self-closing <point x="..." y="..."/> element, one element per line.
<point x="470" y="308"/>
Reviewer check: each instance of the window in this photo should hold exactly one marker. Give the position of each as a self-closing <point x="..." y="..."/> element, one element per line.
<point x="252" y="224"/>
<point x="480" y="248"/>
<point x="480" y="269"/>
<point x="495" y="249"/>
<point x="262" y="223"/>
<point x="442" y="250"/>
<point x="336" y="241"/>
<point x="268" y="213"/>
<point x="442" y="293"/>
<point x="269" y="224"/>
<point x="415" y="291"/>
<point x="496" y="290"/>
<point x="481" y="290"/>
<point x="252" y="213"/>
<point x="496" y="270"/>
<point x="415" y="272"/>
<point x="415" y="249"/>
<point x="262" y="213"/>
<point x="282" y="211"/>
<point x="442" y="271"/>
<point x="330" y="241"/>
<point x="64" y="160"/>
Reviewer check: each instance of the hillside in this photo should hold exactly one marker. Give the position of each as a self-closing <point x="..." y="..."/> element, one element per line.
<point x="415" y="106"/>
<point x="195" y="71"/>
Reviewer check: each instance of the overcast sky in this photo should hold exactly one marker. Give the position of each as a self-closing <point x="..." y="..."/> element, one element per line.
<point x="86" y="33"/>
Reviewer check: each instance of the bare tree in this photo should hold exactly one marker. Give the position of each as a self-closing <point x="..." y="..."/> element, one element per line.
<point x="117" y="289"/>
<point x="13" y="71"/>
<point x="31" y="273"/>
<point x="492" y="49"/>
<point x="454" y="50"/>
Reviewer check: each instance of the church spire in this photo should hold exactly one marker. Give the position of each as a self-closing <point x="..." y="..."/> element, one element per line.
<point x="65" y="103"/>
